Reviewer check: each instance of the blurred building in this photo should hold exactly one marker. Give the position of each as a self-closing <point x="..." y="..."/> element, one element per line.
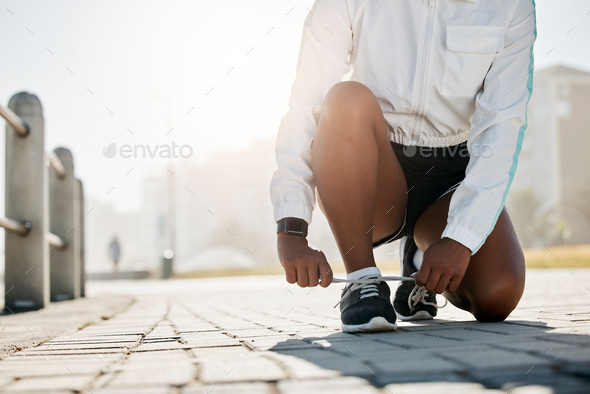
<point x="220" y="208"/>
<point x="549" y="197"/>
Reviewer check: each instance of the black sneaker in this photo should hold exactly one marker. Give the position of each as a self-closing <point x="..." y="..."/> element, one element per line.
<point x="365" y="307"/>
<point x="412" y="302"/>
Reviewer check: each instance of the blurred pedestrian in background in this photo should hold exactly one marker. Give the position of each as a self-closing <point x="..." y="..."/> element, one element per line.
<point x="115" y="253"/>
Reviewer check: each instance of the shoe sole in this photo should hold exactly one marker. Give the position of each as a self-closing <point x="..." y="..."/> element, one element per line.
<point x="420" y="315"/>
<point x="376" y="324"/>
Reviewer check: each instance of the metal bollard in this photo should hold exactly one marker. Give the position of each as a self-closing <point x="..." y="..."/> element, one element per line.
<point x="27" y="263"/>
<point x="63" y="222"/>
<point x="80" y="227"/>
<point x="167" y="262"/>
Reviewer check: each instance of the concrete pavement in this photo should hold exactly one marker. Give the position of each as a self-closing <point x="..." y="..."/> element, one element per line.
<point x="261" y="335"/>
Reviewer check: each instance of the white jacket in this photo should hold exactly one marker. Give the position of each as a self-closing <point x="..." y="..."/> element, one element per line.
<point x="444" y="71"/>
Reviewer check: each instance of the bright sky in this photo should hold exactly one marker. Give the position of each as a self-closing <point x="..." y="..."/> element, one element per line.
<point x="216" y="73"/>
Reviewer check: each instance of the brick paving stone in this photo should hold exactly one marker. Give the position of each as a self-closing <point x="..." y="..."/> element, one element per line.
<point x="163" y="356"/>
<point x="408" y="362"/>
<point x="362" y="348"/>
<point x="535" y="345"/>
<point x="511" y="329"/>
<point x="567" y="353"/>
<point x="537" y="379"/>
<point x="440" y="387"/>
<point x="57" y="347"/>
<point x="304" y="329"/>
<point x="319" y="364"/>
<point x="209" y="339"/>
<point x="21" y="357"/>
<point x="227" y="352"/>
<point x="138" y="388"/>
<point x="554" y="349"/>
<point x="230" y="388"/>
<point x="255" y="332"/>
<point x="571" y="330"/>
<point x="277" y="343"/>
<point x="83" y="341"/>
<point x="414" y="340"/>
<point x="578" y="370"/>
<point x="331" y="335"/>
<point x="342" y="385"/>
<point x="27" y="330"/>
<point x="157" y="368"/>
<point x="420" y="376"/>
<point x="488" y="358"/>
<point x="580" y="340"/>
<point x="5" y="380"/>
<point x="50" y="368"/>
<point x="167" y="340"/>
<point x="252" y="367"/>
<point x="159" y="346"/>
<point x="192" y="344"/>
<point x="173" y="374"/>
<point x="44" y="351"/>
<point x="55" y="383"/>
<point x="466" y="335"/>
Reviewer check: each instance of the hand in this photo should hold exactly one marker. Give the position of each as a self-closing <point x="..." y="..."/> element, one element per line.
<point x="443" y="266"/>
<point x="302" y="263"/>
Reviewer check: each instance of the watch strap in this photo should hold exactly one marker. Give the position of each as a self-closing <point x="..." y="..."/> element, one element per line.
<point x="292" y="226"/>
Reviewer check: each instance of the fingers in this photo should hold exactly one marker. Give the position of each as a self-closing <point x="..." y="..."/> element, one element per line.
<point x="423" y="274"/>
<point x="455" y="282"/>
<point x="433" y="280"/>
<point x="326" y="272"/>
<point x="442" y="284"/>
<point x="302" y="280"/>
<point x="309" y="273"/>
<point x="291" y="275"/>
<point x="453" y="285"/>
<point x="313" y="275"/>
<point x="319" y="270"/>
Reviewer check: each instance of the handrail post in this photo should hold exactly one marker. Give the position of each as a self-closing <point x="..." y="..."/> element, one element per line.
<point x="80" y="228"/>
<point x="26" y="274"/>
<point x="63" y="222"/>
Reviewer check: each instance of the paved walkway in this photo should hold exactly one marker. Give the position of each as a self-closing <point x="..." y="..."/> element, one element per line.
<point x="260" y="335"/>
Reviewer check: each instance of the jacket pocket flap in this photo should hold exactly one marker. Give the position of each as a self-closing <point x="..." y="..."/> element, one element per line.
<point x="478" y="39"/>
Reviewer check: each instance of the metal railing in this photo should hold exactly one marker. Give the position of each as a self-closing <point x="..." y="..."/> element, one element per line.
<point x="44" y="223"/>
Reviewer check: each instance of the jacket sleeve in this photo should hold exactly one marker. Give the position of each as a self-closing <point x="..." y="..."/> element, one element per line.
<point x="323" y="60"/>
<point x="497" y="130"/>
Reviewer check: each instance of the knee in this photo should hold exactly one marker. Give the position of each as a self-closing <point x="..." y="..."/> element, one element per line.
<point x="494" y="301"/>
<point x="348" y="101"/>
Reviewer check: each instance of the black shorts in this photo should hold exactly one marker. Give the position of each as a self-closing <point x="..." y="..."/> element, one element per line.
<point x="430" y="173"/>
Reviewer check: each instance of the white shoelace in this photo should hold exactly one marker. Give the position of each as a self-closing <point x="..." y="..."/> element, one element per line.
<point x="418" y="295"/>
<point x="368" y="286"/>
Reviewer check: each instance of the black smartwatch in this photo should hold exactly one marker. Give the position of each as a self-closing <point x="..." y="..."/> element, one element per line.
<point x="292" y="226"/>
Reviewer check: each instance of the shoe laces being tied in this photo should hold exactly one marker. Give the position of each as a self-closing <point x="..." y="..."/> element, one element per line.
<point x="367" y="285"/>
<point x="419" y="295"/>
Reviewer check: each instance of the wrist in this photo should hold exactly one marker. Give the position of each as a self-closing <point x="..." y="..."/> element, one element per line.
<point x="291" y="238"/>
<point x="457" y="245"/>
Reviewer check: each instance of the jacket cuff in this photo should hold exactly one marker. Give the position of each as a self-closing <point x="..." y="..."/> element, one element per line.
<point x="293" y="210"/>
<point x="464" y="236"/>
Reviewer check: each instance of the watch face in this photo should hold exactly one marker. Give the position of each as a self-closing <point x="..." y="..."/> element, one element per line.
<point x="295" y="226"/>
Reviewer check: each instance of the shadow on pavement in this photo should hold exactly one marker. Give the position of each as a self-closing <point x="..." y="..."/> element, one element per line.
<point x="495" y="355"/>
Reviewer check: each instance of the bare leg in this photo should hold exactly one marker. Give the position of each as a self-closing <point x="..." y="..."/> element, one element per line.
<point x="360" y="183"/>
<point x="494" y="280"/>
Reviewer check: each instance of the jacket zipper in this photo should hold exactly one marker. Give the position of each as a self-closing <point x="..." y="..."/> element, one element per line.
<point x="424" y="72"/>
